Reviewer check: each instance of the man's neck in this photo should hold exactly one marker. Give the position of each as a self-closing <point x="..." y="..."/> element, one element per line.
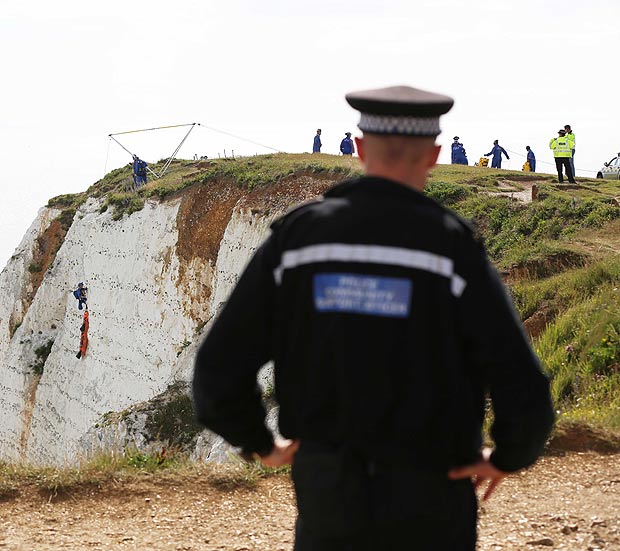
<point x="405" y="177"/>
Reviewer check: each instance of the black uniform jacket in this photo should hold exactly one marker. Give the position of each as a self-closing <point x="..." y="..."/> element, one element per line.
<point x="388" y="328"/>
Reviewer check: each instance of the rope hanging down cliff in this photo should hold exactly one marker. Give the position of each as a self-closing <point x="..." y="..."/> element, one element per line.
<point x="83" y="337"/>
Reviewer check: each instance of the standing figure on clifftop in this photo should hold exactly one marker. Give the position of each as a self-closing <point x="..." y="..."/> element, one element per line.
<point x="571" y="136"/>
<point x="459" y="156"/>
<point x="562" y="148"/>
<point x="346" y="145"/>
<point x="316" y="145"/>
<point x="80" y="295"/>
<point x="388" y="328"/>
<point x="139" y="173"/>
<point x="531" y="158"/>
<point x="497" y="151"/>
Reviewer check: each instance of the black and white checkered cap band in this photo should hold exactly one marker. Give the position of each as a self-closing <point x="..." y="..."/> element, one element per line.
<point x="408" y="126"/>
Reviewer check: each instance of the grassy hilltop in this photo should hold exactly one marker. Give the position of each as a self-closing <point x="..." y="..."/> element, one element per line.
<point x="559" y="254"/>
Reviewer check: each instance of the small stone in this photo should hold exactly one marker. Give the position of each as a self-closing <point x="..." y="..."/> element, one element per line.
<point x="547" y="542"/>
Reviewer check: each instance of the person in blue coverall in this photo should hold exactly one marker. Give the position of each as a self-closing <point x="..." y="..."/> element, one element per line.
<point x="459" y="156"/>
<point x="531" y="158"/>
<point x="316" y="146"/>
<point x="346" y="145"/>
<point x="497" y="151"/>
<point x="139" y="172"/>
<point x="80" y="295"/>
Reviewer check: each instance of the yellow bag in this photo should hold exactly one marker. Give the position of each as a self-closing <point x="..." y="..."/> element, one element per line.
<point x="526" y="167"/>
<point x="483" y="161"/>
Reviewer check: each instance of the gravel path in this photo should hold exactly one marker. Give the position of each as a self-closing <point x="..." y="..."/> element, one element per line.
<point x="567" y="502"/>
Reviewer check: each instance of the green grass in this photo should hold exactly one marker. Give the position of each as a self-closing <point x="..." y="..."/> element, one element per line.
<point x="68" y="205"/>
<point x="128" y="465"/>
<point x="515" y="232"/>
<point x="172" y="418"/>
<point x="448" y="193"/>
<point x="252" y="172"/>
<point x="566" y="289"/>
<point x="93" y="472"/>
<point x="123" y="203"/>
<point x="580" y="350"/>
<point x="246" y="172"/>
<point x="42" y="352"/>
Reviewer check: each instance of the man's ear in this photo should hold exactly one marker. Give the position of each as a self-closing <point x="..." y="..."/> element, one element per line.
<point x="433" y="156"/>
<point x="359" y="144"/>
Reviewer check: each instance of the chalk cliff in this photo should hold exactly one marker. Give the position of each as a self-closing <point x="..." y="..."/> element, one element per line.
<point x="155" y="279"/>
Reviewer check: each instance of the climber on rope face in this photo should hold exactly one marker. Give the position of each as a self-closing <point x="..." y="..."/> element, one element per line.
<point x="80" y="295"/>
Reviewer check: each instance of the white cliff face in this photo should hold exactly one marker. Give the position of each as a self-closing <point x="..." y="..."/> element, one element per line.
<point x="243" y="235"/>
<point x="148" y="307"/>
<point x="17" y="383"/>
<point x="132" y="344"/>
<point x="15" y="284"/>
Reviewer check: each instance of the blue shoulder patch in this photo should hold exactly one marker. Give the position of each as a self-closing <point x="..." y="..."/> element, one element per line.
<point x="362" y="294"/>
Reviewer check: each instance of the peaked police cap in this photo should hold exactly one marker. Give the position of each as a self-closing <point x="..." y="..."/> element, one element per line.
<point x="400" y="110"/>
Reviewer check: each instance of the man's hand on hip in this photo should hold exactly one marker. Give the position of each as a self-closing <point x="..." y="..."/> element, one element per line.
<point x="281" y="454"/>
<point x="480" y="472"/>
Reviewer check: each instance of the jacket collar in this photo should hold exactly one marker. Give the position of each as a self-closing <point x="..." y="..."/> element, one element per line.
<point x="373" y="184"/>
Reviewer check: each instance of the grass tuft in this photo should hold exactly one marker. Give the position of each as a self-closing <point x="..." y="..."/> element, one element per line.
<point x="124" y="203"/>
<point x="42" y="352"/>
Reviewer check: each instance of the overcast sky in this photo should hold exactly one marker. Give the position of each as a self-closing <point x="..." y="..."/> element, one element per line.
<point x="274" y="71"/>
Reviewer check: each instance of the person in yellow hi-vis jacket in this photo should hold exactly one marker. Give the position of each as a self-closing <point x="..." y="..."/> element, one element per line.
<point x="562" y="151"/>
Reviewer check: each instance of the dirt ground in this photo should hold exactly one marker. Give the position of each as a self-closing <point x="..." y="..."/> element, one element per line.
<point x="567" y="502"/>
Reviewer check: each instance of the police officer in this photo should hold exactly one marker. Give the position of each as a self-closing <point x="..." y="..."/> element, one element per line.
<point x="387" y="326"/>
<point x="459" y="156"/>
<point x="562" y="147"/>
<point x="571" y="135"/>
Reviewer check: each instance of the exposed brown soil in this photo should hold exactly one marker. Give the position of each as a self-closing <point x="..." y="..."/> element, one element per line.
<point x="529" y="177"/>
<point x="48" y="244"/>
<point x="537" y="323"/>
<point x="546" y="266"/>
<point x="28" y="409"/>
<point x="282" y="195"/>
<point x="570" y="436"/>
<point x="44" y="253"/>
<point x="206" y="210"/>
<point x="569" y="502"/>
<point x="202" y="219"/>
